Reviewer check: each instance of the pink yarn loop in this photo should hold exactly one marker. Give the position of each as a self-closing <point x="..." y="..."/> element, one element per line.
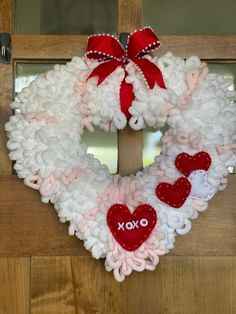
<point x="196" y="76"/>
<point x="33" y="181"/>
<point x="40" y="116"/>
<point x="48" y="186"/>
<point x="145" y="257"/>
<point x="199" y="205"/>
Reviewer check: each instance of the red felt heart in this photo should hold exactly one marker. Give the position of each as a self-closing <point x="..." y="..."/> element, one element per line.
<point x="175" y="194"/>
<point x="131" y="229"/>
<point x="186" y="163"/>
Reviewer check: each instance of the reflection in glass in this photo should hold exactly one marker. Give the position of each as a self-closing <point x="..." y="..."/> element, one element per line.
<point x="187" y="17"/>
<point x="229" y="70"/>
<point x="226" y="69"/>
<point x="151" y="145"/>
<point x="27" y="72"/>
<point x="65" y="17"/>
<point x="101" y="144"/>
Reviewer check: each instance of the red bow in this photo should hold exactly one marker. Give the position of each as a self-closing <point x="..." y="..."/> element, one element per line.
<point x="108" y="49"/>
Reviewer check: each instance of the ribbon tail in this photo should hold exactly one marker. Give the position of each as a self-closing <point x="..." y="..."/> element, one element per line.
<point x="151" y="72"/>
<point x="103" y="70"/>
<point x="126" y="97"/>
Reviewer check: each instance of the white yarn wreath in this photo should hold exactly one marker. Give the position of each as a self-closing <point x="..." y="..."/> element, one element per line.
<point x="45" y="143"/>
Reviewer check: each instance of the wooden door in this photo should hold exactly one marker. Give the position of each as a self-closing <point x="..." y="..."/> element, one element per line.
<point x="43" y="270"/>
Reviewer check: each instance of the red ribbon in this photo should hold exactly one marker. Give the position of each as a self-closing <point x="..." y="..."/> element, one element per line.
<point x="108" y="49"/>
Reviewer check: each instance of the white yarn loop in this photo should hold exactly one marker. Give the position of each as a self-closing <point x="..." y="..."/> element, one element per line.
<point x="136" y="123"/>
<point x="45" y="141"/>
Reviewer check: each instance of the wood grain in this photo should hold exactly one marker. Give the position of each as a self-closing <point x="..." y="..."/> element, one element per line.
<point x="15" y="285"/>
<point x="179" y="285"/>
<point x="129" y="15"/>
<point x="130" y="151"/>
<point x="6" y="88"/>
<point x="48" y="47"/>
<point x="5" y="111"/>
<point x="6" y="15"/>
<point x="52" y="286"/>
<point x="222" y="47"/>
<point x="56" y="47"/>
<point x="130" y="143"/>
<point x="202" y="282"/>
<point x="29" y="227"/>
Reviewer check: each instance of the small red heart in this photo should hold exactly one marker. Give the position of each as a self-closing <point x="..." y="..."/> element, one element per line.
<point x="186" y="163"/>
<point x="175" y="194"/>
<point x="131" y="229"/>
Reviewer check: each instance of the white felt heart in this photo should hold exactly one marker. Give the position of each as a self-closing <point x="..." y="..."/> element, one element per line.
<point x="201" y="188"/>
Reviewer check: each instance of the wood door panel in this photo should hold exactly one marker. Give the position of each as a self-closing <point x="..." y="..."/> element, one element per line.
<point x="52" y="286"/>
<point x="55" y="47"/>
<point x="129" y="15"/>
<point x="65" y="47"/>
<point x="5" y="162"/>
<point x="30" y="227"/>
<point x="218" y="47"/>
<point x="130" y="143"/>
<point x="6" y="8"/>
<point x="179" y="285"/>
<point x="6" y="87"/>
<point x="197" y="277"/>
<point x="15" y="285"/>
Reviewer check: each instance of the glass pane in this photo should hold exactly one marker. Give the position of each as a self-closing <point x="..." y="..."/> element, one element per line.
<point x="101" y="144"/>
<point x="65" y="17"/>
<point x="185" y="17"/>
<point x="25" y="73"/>
<point x="152" y="145"/>
<point x="227" y="69"/>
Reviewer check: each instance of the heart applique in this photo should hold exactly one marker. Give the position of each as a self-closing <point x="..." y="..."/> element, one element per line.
<point x="175" y="194"/>
<point x="201" y="188"/>
<point x="131" y="229"/>
<point x="186" y="163"/>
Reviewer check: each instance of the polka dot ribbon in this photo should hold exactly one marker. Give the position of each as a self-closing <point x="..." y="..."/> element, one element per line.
<point x="108" y="50"/>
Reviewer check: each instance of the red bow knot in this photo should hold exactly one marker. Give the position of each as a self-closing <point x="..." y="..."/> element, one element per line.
<point x="107" y="48"/>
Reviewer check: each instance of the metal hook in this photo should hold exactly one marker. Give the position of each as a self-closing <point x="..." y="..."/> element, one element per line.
<point x="123" y="38"/>
<point x="5" y="48"/>
<point x="3" y="51"/>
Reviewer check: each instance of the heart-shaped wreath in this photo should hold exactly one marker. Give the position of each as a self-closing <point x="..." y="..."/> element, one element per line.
<point x="131" y="220"/>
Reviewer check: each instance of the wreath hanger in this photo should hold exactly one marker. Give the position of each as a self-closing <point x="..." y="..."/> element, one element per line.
<point x="128" y="220"/>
